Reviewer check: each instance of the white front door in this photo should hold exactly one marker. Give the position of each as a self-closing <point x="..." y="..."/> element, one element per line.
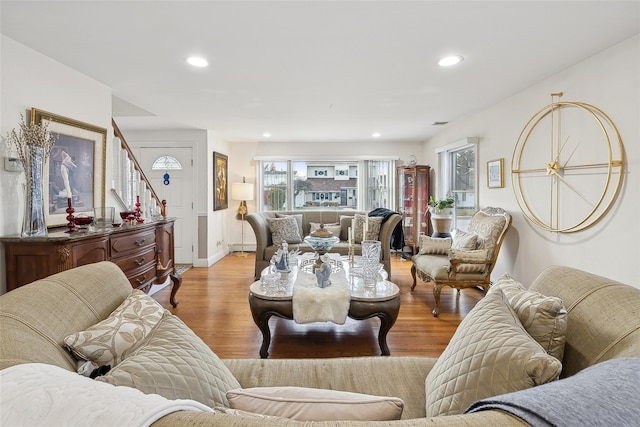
<point x="178" y="194"/>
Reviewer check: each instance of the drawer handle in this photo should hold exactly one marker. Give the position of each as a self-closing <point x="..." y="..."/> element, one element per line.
<point x="139" y="243"/>
<point x="139" y="263"/>
<point x="141" y="281"/>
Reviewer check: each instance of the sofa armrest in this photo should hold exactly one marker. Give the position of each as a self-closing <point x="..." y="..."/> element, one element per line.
<point x="260" y="227"/>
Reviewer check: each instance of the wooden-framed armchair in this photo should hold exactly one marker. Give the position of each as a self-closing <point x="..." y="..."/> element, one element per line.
<point x="467" y="259"/>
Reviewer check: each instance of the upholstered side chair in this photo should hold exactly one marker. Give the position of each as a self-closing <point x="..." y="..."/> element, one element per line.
<point x="467" y="259"/>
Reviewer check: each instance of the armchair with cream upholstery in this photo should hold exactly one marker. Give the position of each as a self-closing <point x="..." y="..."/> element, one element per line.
<point x="467" y="259"/>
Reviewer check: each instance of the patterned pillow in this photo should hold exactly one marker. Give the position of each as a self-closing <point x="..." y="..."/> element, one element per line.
<point x="373" y="231"/>
<point x="298" y="218"/>
<point x="284" y="230"/>
<point x="175" y="363"/>
<point x="462" y="240"/>
<point x="544" y="318"/>
<point x="475" y="255"/>
<point x="489" y="354"/>
<point x="111" y="340"/>
<point x="431" y="245"/>
<point x="334" y="228"/>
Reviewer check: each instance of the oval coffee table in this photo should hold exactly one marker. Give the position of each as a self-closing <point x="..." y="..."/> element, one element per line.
<point x="382" y="302"/>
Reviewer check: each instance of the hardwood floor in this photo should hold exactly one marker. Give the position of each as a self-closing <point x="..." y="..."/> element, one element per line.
<point x="213" y="302"/>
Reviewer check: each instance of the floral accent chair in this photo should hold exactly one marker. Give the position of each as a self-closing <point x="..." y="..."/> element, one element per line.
<point x="464" y="260"/>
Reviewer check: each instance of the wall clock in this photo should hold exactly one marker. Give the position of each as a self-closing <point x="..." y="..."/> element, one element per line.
<point x="567" y="166"/>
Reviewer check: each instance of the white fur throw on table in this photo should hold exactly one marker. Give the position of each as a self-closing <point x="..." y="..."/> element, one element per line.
<point x="314" y="304"/>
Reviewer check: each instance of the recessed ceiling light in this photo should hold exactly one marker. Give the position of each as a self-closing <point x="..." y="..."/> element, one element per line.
<point x="376" y="135"/>
<point x="197" y="61"/>
<point x="448" y="61"/>
<point x="266" y="135"/>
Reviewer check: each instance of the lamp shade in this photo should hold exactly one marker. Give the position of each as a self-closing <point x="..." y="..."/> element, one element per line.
<point x="241" y="191"/>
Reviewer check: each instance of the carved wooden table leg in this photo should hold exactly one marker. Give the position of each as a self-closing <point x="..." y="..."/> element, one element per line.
<point x="177" y="281"/>
<point x="262" y="310"/>
<point x="386" y="311"/>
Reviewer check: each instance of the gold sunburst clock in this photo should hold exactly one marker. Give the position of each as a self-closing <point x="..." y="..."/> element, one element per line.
<point x="567" y="166"/>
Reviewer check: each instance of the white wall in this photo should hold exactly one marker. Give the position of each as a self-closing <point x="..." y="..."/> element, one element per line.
<point x="610" y="81"/>
<point x="29" y="79"/>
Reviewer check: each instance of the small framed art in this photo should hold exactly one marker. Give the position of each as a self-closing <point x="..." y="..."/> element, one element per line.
<point x="220" y="173"/>
<point x="495" y="173"/>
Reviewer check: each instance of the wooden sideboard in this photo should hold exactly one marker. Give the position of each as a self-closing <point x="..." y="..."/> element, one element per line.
<point x="144" y="252"/>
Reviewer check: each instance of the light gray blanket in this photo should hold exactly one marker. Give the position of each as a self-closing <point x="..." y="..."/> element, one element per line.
<point x="606" y="394"/>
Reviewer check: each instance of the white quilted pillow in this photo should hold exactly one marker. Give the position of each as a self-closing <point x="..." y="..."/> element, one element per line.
<point x="175" y="363"/>
<point x="489" y="354"/>
<point x="111" y="340"/>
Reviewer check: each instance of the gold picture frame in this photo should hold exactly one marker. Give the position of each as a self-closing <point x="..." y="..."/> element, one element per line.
<point x="220" y="187"/>
<point x="85" y="146"/>
<point x="495" y="173"/>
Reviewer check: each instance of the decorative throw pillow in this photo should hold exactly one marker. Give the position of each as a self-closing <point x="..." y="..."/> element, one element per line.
<point x="345" y="223"/>
<point x="284" y="230"/>
<point x="108" y="342"/>
<point x="175" y="363"/>
<point x="469" y="256"/>
<point x="333" y="228"/>
<point x="313" y="404"/>
<point x="463" y="240"/>
<point x="373" y="230"/>
<point x="544" y="318"/>
<point x="489" y="354"/>
<point x="437" y="246"/>
<point x="298" y="218"/>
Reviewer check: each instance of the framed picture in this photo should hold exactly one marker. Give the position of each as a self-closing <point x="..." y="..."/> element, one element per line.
<point x="76" y="167"/>
<point x="495" y="173"/>
<point x="220" y="188"/>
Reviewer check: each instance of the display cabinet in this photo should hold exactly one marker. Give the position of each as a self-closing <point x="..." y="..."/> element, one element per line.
<point x="413" y="202"/>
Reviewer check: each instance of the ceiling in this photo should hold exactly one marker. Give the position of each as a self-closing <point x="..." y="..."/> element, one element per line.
<point x="315" y="70"/>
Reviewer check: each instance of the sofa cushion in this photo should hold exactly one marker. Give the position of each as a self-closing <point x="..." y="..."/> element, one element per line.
<point x="175" y="363"/>
<point x="284" y="230"/>
<point x="431" y="245"/>
<point x="373" y="230"/>
<point x="463" y="240"/>
<point x="108" y="342"/>
<point x="468" y="256"/>
<point x="489" y="354"/>
<point x="544" y="318"/>
<point x="333" y="228"/>
<point x="298" y="218"/>
<point x="314" y="404"/>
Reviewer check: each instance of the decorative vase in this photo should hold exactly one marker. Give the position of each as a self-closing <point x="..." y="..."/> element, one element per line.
<point x="441" y="220"/>
<point x="371" y="250"/>
<point x="33" y="224"/>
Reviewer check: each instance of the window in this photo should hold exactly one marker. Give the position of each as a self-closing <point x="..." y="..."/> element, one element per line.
<point x="166" y="163"/>
<point x="310" y="184"/>
<point x="459" y="178"/>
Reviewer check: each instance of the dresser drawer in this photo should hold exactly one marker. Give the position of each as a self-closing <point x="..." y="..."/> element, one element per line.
<point x="138" y="261"/>
<point x="144" y="279"/>
<point x="122" y="245"/>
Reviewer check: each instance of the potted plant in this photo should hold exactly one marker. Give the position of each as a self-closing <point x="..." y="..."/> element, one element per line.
<point x="441" y="207"/>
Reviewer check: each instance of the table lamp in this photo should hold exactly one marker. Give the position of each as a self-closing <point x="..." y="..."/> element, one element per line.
<point x="242" y="191"/>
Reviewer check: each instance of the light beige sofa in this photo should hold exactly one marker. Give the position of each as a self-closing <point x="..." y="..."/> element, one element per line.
<point x="603" y="323"/>
<point x="264" y="242"/>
